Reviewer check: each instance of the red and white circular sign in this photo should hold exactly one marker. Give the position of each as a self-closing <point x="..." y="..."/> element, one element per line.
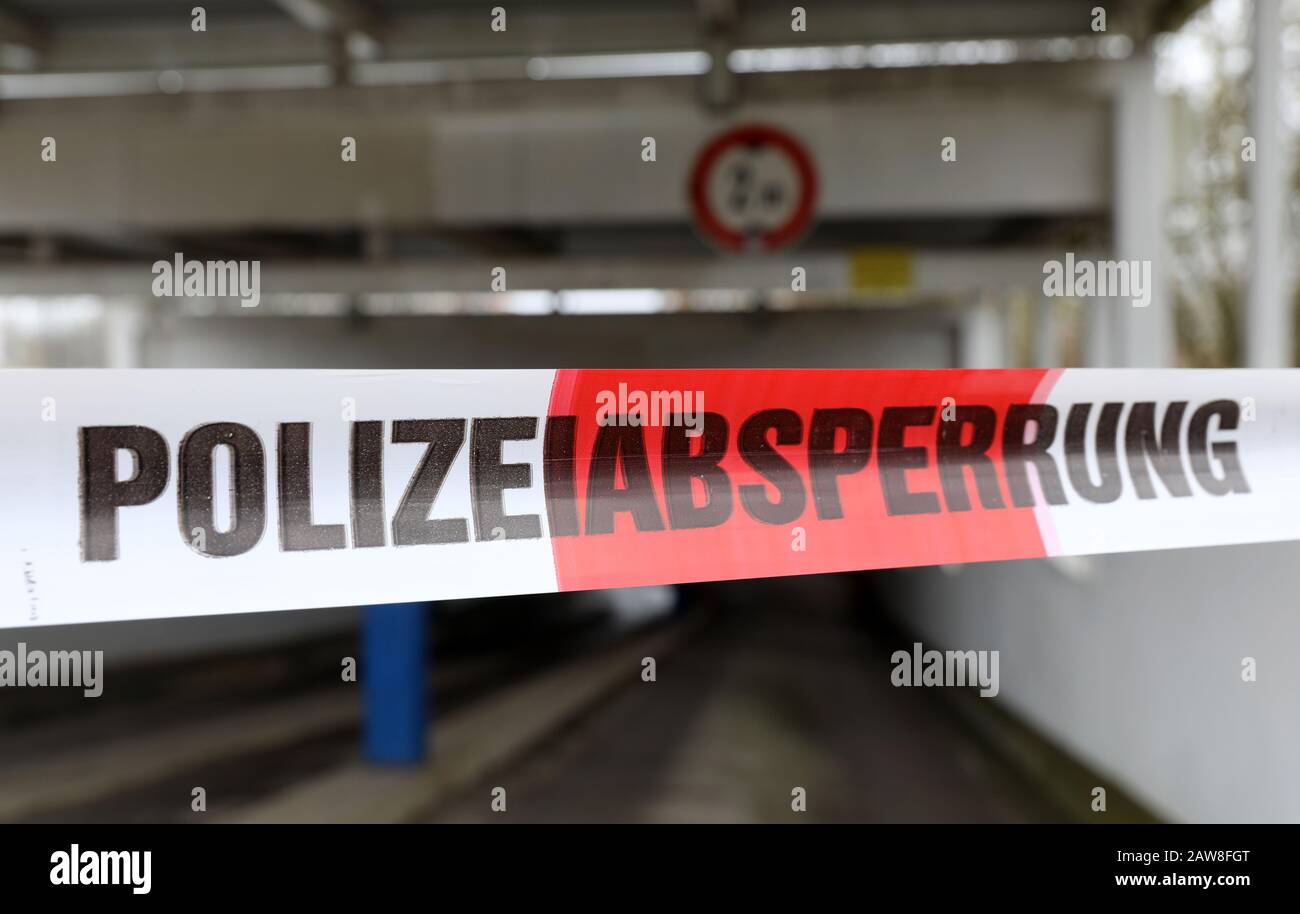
<point x="753" y="188"/>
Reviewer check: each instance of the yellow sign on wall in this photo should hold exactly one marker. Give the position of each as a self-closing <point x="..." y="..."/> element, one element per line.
<point x="881" y="270"/>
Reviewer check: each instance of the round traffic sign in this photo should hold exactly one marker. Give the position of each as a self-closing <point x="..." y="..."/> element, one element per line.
<point x="753" y="188"/>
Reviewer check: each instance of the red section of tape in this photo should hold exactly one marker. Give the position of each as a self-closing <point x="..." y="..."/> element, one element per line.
<point x="865" y="536"/>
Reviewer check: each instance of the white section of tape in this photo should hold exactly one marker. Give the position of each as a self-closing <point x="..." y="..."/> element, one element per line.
<point x="1267" y="445"/>
<point x="44" y="581"/>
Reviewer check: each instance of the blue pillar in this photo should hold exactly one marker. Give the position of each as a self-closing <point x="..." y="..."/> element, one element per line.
<point x="394" y="645"/>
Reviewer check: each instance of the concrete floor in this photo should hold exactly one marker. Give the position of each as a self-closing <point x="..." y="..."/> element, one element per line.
<point x="781" y="691"/>
<point x="762" y="687"/>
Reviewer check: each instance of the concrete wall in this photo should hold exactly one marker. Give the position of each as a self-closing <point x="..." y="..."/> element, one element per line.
<point x="142" y="167"/>
<point x="1133" y="664"/>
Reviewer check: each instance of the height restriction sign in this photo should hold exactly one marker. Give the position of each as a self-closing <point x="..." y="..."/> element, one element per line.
<point x="753" y="188"/>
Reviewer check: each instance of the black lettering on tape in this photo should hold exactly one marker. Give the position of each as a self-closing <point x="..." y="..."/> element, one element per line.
<point x="411" y="524"/>
<point x="1164" y="453"/>
<point x="195" y="486"/>
<point x="896" y="460"/>
<point x="558" y="478"/>
<point x="366" y="472"/>
<point x="1017" y="453"/>
<point x="953" y="457"/>
<point x="839" y="444"/>
<point x="297" y="531"/>
<point x="768" y="463"/>
<point x="681" y="468"/>
<point x="489" y="478"/>
<point x="826" y="464"/>
<point x="1076" y="452"/>
<point x="1225" y="452"/>
<point x="101" y="491"/>
<point x="620" y="446"/>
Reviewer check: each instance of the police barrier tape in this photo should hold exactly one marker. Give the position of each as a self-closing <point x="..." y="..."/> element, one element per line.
<point x="142" y="494"/>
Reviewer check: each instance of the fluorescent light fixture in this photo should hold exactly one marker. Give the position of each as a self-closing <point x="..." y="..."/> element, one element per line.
<point x="613" y="301"/>
<point x="169" y="82"/>
<point x="572" y="66"/>
<point x="431" y="72"/>
<point x="78" y="85"/>
<point x="619" y="66"/>
<point x="904" y="54"/>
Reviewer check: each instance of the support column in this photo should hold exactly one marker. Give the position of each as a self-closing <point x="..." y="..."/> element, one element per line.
<point x="1268" y="320"/>
<point x="1047" y="351"/>
<point x="1141" y="337"/>
<point x="981" y="339"/>
<point x="123" y="332"/>
<point x="1097" y="333"/>
<point x="394" y="646"/>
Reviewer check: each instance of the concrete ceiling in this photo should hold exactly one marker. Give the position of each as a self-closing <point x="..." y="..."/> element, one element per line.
<point x="72" y="35"/>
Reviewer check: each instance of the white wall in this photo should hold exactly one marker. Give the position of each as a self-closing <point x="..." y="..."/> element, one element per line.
<point x="1133" y="663"/>
<point x="142" y="166"/>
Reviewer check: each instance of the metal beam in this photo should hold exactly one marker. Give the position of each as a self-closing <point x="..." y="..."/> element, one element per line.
<point x="461" y="30"/>
<point x="718" y="19"/>
<point x="934" y="273"/>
